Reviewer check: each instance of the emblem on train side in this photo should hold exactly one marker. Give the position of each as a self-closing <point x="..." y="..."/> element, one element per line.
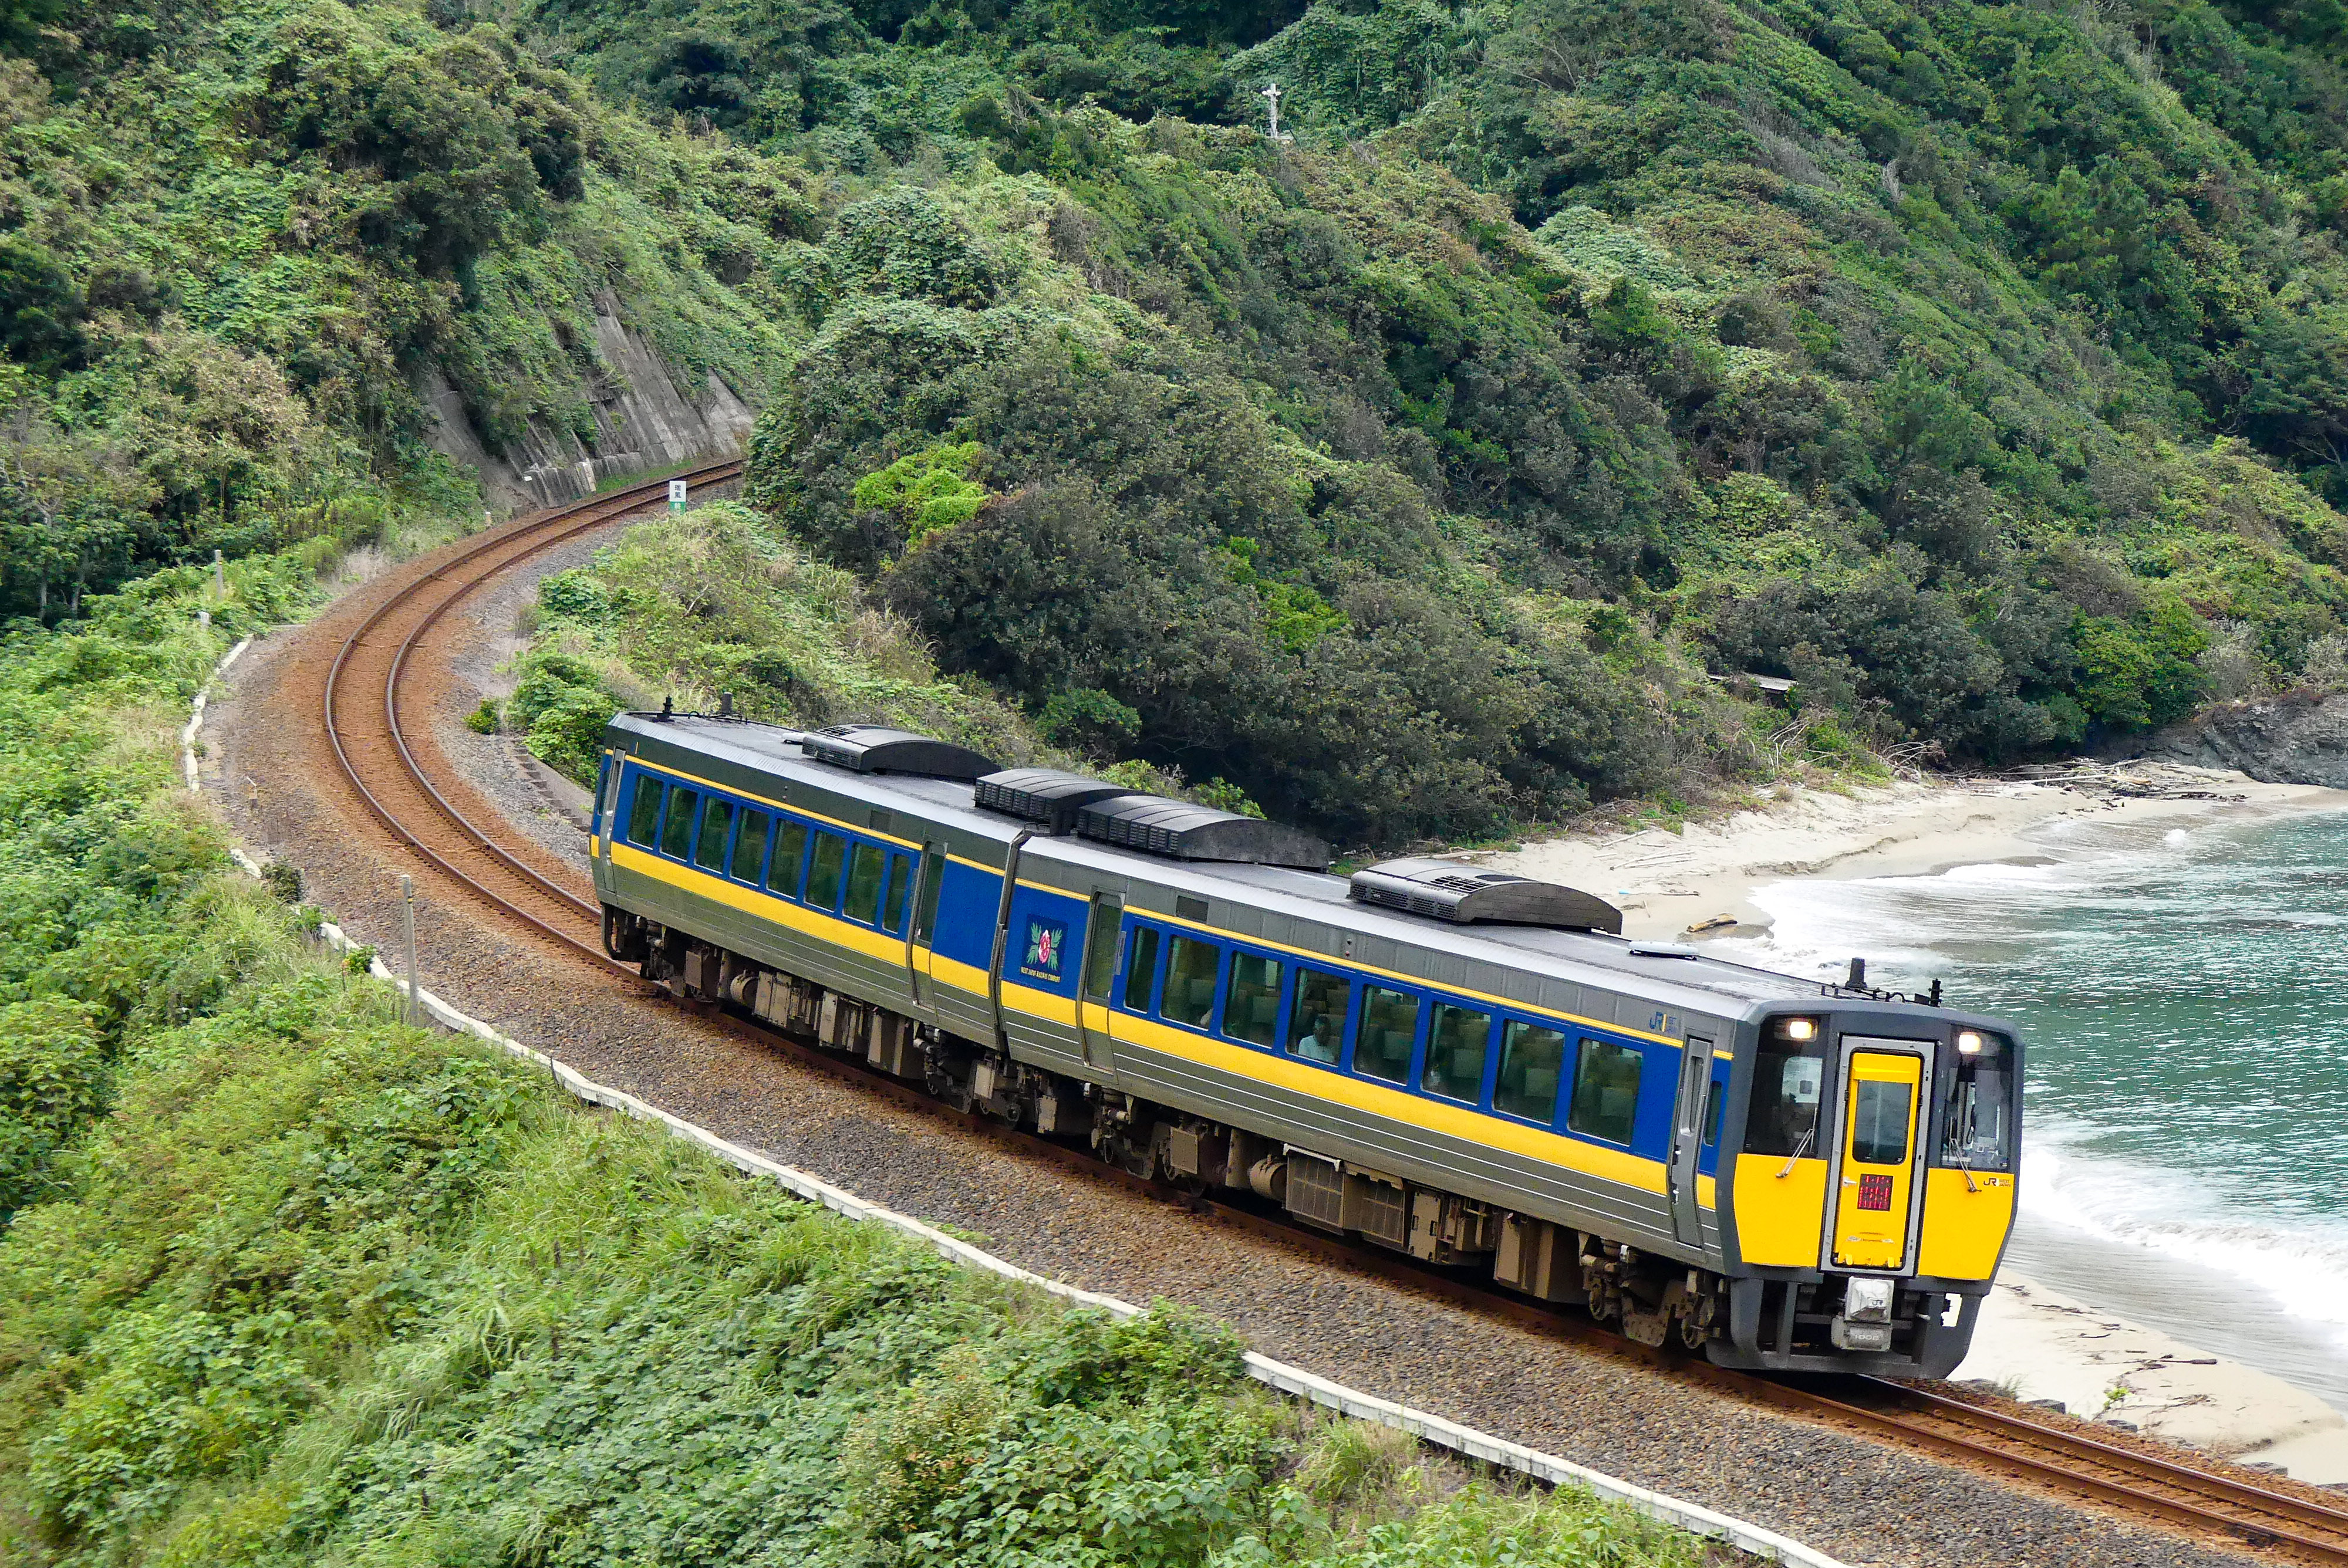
<point x="1045" y="938"/>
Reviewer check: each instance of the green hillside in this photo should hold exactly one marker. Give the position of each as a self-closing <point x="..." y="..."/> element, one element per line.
<point x="1982" y="367"/>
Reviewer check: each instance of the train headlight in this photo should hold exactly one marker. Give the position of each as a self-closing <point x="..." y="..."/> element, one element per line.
<point x="1802" y="1029"/>
<point x="1969" y="1042"/>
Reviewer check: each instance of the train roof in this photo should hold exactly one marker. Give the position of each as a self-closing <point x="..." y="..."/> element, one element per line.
<point x="1668" y="974"/>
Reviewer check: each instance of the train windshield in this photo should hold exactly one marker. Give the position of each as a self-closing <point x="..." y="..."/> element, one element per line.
<point x="1789" y="1083"/>
<point x="1978" y="1133"/>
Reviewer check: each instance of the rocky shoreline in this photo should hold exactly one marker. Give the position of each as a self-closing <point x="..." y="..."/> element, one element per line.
<point x="2297" y="737"/>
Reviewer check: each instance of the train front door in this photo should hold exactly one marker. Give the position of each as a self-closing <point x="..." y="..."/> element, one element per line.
<point x="1884" y="1084"/>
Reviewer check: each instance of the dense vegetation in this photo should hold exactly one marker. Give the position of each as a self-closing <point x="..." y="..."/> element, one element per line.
<point x="714" y="604"/>
<point x="283" y="1281"/>
<point x="243" y="244"/>
<point x="1982" y="367"/>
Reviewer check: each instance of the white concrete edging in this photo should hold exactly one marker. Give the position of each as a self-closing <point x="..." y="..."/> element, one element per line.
<point x="196" y="715"/>
<point x="1295" y="1381"/>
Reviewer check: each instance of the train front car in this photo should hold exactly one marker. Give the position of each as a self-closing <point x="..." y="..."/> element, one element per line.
<point x="1873" y="1187"/>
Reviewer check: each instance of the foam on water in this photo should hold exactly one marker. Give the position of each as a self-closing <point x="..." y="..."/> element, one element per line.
<point x="2184" y="999"/>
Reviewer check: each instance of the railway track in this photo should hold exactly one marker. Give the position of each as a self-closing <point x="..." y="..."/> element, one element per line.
<point x="362" y="722"/>
<point x="362" y="717"/>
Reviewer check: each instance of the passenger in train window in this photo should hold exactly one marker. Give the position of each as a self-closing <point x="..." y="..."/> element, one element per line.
<point x="750" y="846"/>
<point x="1317" y="1027"/>
<point x="644" y="813"/>
<point x="782" y="867"/>
<point x="1252" y="1011"/>
<point x="1455" y="1048"/>
<point x="709" y="845"/>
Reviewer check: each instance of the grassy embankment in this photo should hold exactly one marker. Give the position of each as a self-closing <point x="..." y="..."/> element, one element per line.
<point x="721" y="601"/>
<point x="283" y="1281"/>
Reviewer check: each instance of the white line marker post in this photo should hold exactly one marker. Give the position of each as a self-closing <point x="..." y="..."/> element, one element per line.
<point x="412" y="1014"/>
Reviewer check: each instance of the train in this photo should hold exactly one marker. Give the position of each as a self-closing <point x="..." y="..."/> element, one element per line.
<point x="1468" y="1066"/>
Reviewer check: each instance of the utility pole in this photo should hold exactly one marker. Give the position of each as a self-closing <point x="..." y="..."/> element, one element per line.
<point x="407" y="935"/>
<point x="1271" y="95"/>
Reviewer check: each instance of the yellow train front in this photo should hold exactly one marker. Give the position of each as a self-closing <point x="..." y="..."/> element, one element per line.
<point x="1468" y="1066"/>
<point x="1873" y="1187"/>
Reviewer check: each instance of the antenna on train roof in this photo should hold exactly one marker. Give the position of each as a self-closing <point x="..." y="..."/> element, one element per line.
<point x="668" y="705"/>
<point x="1857" y="980"/>
<point x="1936" y="993"/>
<point x="724" y="705"/>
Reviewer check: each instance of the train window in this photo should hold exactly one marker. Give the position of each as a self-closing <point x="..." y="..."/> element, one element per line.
<point x="1714" y="1097"/>
<point x="1141" y="967"/>
<point x="1783" y="1116"/>
<point x="1251" y="1012"/>
<point x="1190" y="969"/>
<point x="644" y="812"/>
<point x="750" y="846"/>
<point x="824" y="865"/>
<point x="934" y="877"/>
<point x="1878" y="1122"/>
<point x="1389" y="1031"/>
<point x="1605" y="1090"/>
<point x="1455" y="1048"/>
<point x="1317" y="1027"/>
<point x="709" y="847"/>
<point x="901" y="885"/>
<point x="1978" y="1133"/>
<point x="677" y="826"/>
<point x="783" y="865"/>
<point x="868" y="863"/>
<point x="1532" y="1055"/>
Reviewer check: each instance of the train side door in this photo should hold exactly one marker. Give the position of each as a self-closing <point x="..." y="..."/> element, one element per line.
<point x="922" y="931"/>
<point x="605" y="822"/>
<point x="1884" y="1085"/>
<point x="1687" y="1138"/>
<point x="1102" y="931"/>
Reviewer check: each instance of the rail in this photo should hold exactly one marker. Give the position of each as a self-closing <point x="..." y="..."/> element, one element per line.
<point x="467" y="571"/>
<point x="2202" y="1500"/>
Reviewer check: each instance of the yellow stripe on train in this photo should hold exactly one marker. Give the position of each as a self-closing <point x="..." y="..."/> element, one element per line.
<point x="1285" y="1072"/>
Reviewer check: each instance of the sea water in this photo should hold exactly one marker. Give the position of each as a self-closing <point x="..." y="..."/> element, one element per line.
<point x="2183" y="995"/>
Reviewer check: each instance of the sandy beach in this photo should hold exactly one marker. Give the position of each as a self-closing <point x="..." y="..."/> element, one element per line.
<point x="1667" y="882"/>
<point x="1698" y="882"/>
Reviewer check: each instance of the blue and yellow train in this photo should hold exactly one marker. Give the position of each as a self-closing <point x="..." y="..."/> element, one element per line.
<point x="1465" y="1065"/>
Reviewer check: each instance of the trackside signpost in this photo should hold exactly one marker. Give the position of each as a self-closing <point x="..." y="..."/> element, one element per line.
<point x="677" y="495"/>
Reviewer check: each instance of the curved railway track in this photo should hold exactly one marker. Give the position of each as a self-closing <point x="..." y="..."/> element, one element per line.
<point x="362" y="717"/>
